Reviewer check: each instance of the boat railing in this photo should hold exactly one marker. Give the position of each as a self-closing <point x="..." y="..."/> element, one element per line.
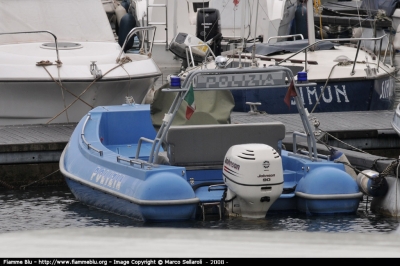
<point x="143" y="47"/>
<point x="133" y="161"/>
<point x="40" y="31"/>
<point x="286" y="36"/>
<point x="359" y="40"/>
<point x="89" y="146"/>
<point x="295" y="151"/>
<point x="306" y="153"/>
<point x="198" y="81"/>
<point x="141" y="140"/>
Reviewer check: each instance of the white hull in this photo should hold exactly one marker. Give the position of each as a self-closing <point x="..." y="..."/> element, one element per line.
<point x="41" y="49"/>
<point x="40" y="102"/>
<point x="30" y="94"/>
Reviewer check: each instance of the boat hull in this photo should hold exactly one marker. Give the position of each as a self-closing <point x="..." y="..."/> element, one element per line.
<point x="338" y="96"/>
<point x="327" y="190"/>
<point x="38" y="102"/>
<point x="124" y="207"/>
<point x="98" y="177"/>
<point x="324" y="207"/>
<point x="104" y="168"/>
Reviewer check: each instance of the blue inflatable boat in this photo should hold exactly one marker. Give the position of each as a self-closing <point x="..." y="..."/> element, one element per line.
<point x="116" y="160"/>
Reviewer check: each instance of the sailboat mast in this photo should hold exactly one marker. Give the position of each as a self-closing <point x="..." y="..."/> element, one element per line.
<point x="242" y="33"/>
<point x="310" y="22"/>
<point x="255" y="35"/>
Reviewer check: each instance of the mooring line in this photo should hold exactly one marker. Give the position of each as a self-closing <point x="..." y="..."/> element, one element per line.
<point x="34" y="182"/>
<point x="6" y="185"/>
<point x="123" y="61"/>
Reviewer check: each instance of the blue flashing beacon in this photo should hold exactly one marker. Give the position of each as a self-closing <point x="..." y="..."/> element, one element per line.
<point x="175" y="81"/>
<point x="302" y="77"/>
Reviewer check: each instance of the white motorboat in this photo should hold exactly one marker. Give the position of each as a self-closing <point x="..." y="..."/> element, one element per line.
<point x="172" y="17"/>
<point x="348" y="77"/>
<point x="59" y="59"/>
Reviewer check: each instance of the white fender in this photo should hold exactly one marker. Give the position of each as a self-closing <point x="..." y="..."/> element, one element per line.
<point x="396" y="40"/>
<point x="120" y="12"/>
<point x="389" y="204"/>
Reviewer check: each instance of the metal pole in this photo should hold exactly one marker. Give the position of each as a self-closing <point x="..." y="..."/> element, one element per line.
<point x="379" y="55"/>
<point x="254" y="41"/>
<point x="355" y="59"/>
<point x="310" y="24"/>
<point x="41" y="31"/>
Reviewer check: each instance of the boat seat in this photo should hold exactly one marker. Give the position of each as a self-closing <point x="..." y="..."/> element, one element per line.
<point x="206" y="145"/>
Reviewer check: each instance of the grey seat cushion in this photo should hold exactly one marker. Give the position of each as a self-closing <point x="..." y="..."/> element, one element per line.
<point x="193" y="145"/>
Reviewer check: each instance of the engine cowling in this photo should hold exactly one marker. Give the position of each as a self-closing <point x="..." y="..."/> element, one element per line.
<point x="253" y="174"/>
<point x="182" y="41"/>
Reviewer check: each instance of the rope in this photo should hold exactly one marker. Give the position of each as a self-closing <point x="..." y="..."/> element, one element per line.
<point x="354" y="148"/>
<point x="323" y="89"/>
<point x="124" y="60"/>
<point x="64" y="87"/>
<point x="130" y="81"/>
<point x="62" y="91"/>
<point x="390" y="74"/>
<point x="390" y="169"/>
<point x="381" y="15"/>
<point x="6" y="185"/>
<point x="318" y="9"/>
<point x="44" y="63"/>
<point x="23" y="187"/>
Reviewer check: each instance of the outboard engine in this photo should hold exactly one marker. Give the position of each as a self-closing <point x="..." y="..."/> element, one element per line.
<point x="208" y="26"/>
<point x="253" y="174"/>
<point x="181" y="41"/>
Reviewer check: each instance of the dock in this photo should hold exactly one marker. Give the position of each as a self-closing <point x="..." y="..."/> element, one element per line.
<point x="29" y="154"/>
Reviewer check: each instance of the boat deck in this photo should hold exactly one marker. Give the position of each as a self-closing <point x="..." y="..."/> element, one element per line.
<point x="330" y="122"/>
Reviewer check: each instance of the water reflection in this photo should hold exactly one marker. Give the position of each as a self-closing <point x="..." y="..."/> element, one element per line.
<point x="57" y="208"/>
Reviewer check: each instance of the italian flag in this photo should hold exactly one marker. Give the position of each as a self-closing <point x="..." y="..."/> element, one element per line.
<point x="189" y="98"/>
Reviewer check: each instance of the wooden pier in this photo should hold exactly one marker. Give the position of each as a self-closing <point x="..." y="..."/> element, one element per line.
<point x="30" y="153"/>
<point x="366" y="130"/>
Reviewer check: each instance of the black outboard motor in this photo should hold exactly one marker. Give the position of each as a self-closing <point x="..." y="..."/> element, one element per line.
<point x="208" y="26"/>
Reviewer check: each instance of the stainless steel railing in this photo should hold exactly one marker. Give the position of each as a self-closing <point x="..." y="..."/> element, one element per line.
<point x="305" y="49"/>
<point x="40" y="31"/>
<point x="133" y="32"/>
<point x="89" y="146"/>
<point x="286" y="36"/>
